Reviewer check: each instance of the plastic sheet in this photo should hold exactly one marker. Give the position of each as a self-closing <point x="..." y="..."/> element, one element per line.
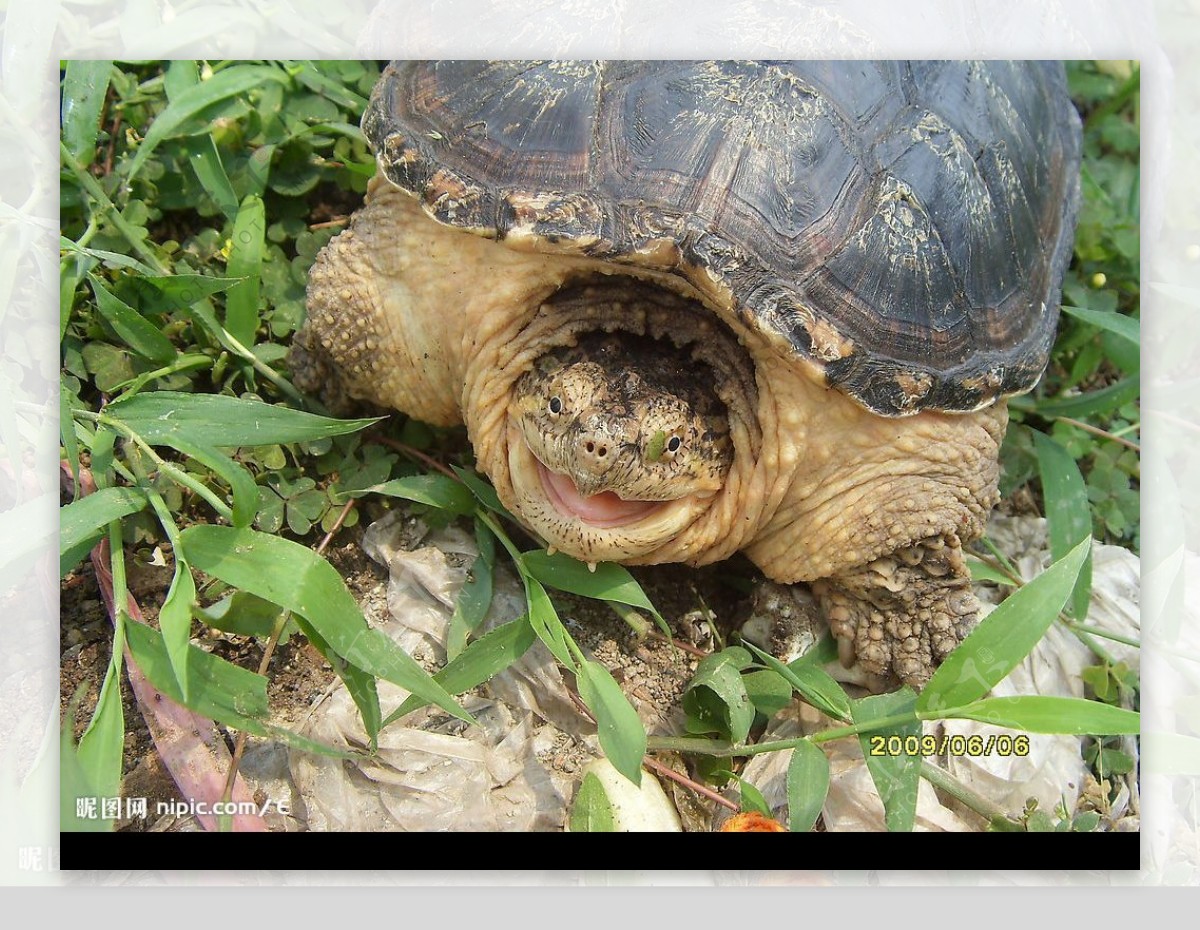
<point x="432" y="771"/>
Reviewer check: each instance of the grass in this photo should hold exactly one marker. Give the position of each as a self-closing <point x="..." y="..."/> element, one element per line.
<point x="194" y="198"/>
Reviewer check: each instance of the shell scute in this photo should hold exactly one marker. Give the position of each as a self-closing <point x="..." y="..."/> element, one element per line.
<point x="903" y="226"/>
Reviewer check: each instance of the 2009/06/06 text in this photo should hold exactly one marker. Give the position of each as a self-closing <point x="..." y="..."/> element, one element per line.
<point x="950" y="745"/>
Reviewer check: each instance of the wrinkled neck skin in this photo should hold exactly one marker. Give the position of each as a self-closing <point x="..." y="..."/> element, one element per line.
<point x="441" y="324"/>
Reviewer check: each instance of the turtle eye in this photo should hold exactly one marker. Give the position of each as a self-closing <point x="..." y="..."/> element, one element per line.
<point x="556" y="405"/>
<point x="673" y="444"/>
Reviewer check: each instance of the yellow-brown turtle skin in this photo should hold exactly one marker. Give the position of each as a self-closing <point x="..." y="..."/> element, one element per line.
<point x="865" y="258"/>
<point x="413" y="315"/>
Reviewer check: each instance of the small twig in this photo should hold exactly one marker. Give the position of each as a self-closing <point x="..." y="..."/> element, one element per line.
<point x="704" y="790"/>
<point x="1102" y="433"/>
<point x="417" y="454"/>
<point x="329" y="224"/>
<point x="337" y="525"/>
<point x="679" y="644"/>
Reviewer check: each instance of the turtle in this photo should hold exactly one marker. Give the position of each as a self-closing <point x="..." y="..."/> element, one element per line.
<point x="690" y="309"/>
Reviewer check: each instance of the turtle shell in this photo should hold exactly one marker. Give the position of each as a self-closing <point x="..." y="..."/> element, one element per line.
<point x="905" y="226"/>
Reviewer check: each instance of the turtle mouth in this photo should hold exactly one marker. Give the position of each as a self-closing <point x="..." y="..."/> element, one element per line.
<point x="606" y="510"/>
<point x="600" y="527"/>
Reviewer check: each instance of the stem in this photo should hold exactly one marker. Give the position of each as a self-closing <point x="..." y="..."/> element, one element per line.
<point x="174" y="472"/>
<point x="1127" y="429"/>
<point x="284" y="385"/>
<point x="1004" y="561"/>
<point x="239" y="747"/>
<point x="944" y="781"/>
<point x="337" y="525"/>
<point x="183" y="363"/>
<point x="1078" y="627"/>
<point x="489" y="520"/>
<point x="1103" y="434"/>
<point x="416" y="454"/>
<point x="656" y="766"/>
<point x="89" y="184"/>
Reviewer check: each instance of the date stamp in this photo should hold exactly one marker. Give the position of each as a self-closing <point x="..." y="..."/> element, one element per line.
<point x="1002" y="744"/>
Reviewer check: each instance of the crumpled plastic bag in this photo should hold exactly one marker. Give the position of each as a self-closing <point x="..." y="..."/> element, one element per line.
<point x="433" y="771"/>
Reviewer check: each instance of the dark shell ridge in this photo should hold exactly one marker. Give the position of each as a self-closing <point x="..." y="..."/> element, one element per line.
<point x="904" y="225"/>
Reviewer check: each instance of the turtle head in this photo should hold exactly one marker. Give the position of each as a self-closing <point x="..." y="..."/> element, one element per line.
<point x="616" y="444"/>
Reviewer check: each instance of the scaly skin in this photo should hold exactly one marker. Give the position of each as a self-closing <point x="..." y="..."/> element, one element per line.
<point x="871" y="511"/>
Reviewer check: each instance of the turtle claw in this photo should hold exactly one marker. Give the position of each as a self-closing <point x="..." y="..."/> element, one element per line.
<point x="847" y="655"/>
<point x="591" y="567"/>
<point x="550" y="550"/>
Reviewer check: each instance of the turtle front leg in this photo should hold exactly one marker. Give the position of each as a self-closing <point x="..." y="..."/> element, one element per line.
<point x="903" y="613"/>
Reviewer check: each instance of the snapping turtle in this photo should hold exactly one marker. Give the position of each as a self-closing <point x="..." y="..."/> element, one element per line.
<point x="692" y="308"/>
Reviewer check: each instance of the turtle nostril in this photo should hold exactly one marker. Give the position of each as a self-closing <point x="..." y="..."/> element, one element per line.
<point x="602" y="451"/>
<point x="591" y="447"/>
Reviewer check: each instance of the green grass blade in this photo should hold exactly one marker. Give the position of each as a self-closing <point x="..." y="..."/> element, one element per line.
<point x="245" y="261"/>
<point x="241" y="483"/>
<point x="476" y="595"/>
<point x="292" y="576"/>
<point x="210" y="172"/>
<point x="103" y="743"/>
<point x="622" y="736"/>
<point x="110" y="259"/>
<point x="1068" y="512"/>
<point x="1126" y="327"/>
<point x="242" y="613"/>
<point x="230" y="82"/>
<point x="1037" y="714"/>
<point x="1003" y="638"/>
<point x="897" y="777"/>
<point x="175" y="620"/>
<point x="483" y="491"/>
<point x="68" y="403"/>
<point x="81" y="523"/>
<point x="223" y="421"/>
<point x="1082" y="406"/>
<point x="591" y="811"/>
<point x="438" y="491"/>
<point x="138" y="333"/>
<point x="545" y="622"/>
<point x="74" y="786"/>
<point x="609" y="582"/>
<point x="807" y="786"/>
<point x="217" y="689"/>
<point x="487" y="656"/>
<point x="85" y="86"/>
<point x="812" y="682"/>
<point x="182" y="75"/>
<point x="182" y="290"/>
<point x="314" y="80"/>
<point x="359" y="684"/>
<point x="175" y="615"/>
<point x="982" y="571"/>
